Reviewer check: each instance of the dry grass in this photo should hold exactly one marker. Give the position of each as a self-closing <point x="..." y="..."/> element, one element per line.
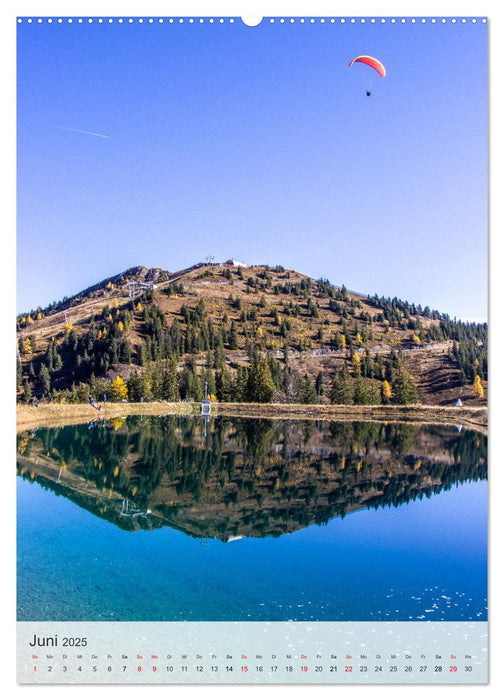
<point x="52" y="415"/>
<point x="58" y="414"/>
<point x="469" y="417"/>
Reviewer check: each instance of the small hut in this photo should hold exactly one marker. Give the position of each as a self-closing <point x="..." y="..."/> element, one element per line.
<point x="459" y="403"/>
<point x="206" y="406"/>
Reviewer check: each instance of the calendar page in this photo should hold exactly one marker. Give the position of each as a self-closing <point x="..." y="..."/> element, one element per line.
<point x="251" y="349"/>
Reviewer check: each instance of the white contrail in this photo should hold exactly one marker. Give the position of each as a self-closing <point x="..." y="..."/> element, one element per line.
<point x="80" y="131"/>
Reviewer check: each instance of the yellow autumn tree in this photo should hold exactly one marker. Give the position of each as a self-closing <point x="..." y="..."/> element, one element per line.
<point x="358" y="339"/>
<point x="139" y="307"/>
<point x="120" y="325"/>
<point x="386" y="390"/>
<point x="356" y="362"/>
<point x="477" y="387"/>
<point x="119" y="390"/>
<point x="27" y="347"/>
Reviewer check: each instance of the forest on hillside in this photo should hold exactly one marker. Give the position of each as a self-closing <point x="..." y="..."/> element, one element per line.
<point x="176" y="357"/>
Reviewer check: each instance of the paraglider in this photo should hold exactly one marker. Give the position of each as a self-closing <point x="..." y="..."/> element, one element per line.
<point x="373" y="63"/>
<point x="370" y="61"/>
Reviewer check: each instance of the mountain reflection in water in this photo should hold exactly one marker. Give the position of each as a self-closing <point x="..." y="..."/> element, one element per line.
<point x="239" y="477"/>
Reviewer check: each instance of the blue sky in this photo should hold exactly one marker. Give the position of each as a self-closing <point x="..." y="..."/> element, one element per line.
<point x="258" y="144"/>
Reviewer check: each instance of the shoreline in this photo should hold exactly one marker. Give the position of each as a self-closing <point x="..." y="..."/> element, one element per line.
<point x="58" y="415"/>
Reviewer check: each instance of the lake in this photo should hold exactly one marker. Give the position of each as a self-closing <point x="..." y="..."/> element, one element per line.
<point x="173" y="518"/>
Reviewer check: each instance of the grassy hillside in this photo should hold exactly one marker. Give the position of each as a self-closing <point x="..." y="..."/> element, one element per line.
<point x="252" y="334"/>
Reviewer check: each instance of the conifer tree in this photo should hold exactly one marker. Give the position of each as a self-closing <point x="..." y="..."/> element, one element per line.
<point x="233" y="336"/>
<point x="360" y="393"/>
<point x="240" y="386"/>
<point x="58" y="362"/>
<point x="19" y="374"/>
<point x="367" y="365"/>
<point x="223" y="385"/>
<point x="27" y="391"/>
<point x="342" y="389"/>
<point x="374" y="395"/>
<point x="260" y="386"/>
<point x="137" y="387"/>
<point x="45" y="380"/>
<point x="307" y="391"/>
<point x="169" y="383"/>
<point x="319" y="384"/>
<point x="403" y="388"/>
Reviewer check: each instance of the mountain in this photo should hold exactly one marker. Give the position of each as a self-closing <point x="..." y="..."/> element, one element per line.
<point x="252" y="333"/>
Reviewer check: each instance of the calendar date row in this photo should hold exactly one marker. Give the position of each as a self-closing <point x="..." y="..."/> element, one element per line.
<point x="289" y="668"/>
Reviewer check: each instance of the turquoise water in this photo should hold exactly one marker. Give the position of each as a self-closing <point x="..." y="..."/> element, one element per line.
<point x="423" y="559"/>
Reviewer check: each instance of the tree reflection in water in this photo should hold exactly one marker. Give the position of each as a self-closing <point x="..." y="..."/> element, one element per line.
<point x="246" y="477"/>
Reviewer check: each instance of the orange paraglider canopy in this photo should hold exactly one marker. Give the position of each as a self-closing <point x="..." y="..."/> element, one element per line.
<point x="370" y="61"/>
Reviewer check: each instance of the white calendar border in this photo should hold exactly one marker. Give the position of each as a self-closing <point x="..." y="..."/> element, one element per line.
<point x="8" y="12"/>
